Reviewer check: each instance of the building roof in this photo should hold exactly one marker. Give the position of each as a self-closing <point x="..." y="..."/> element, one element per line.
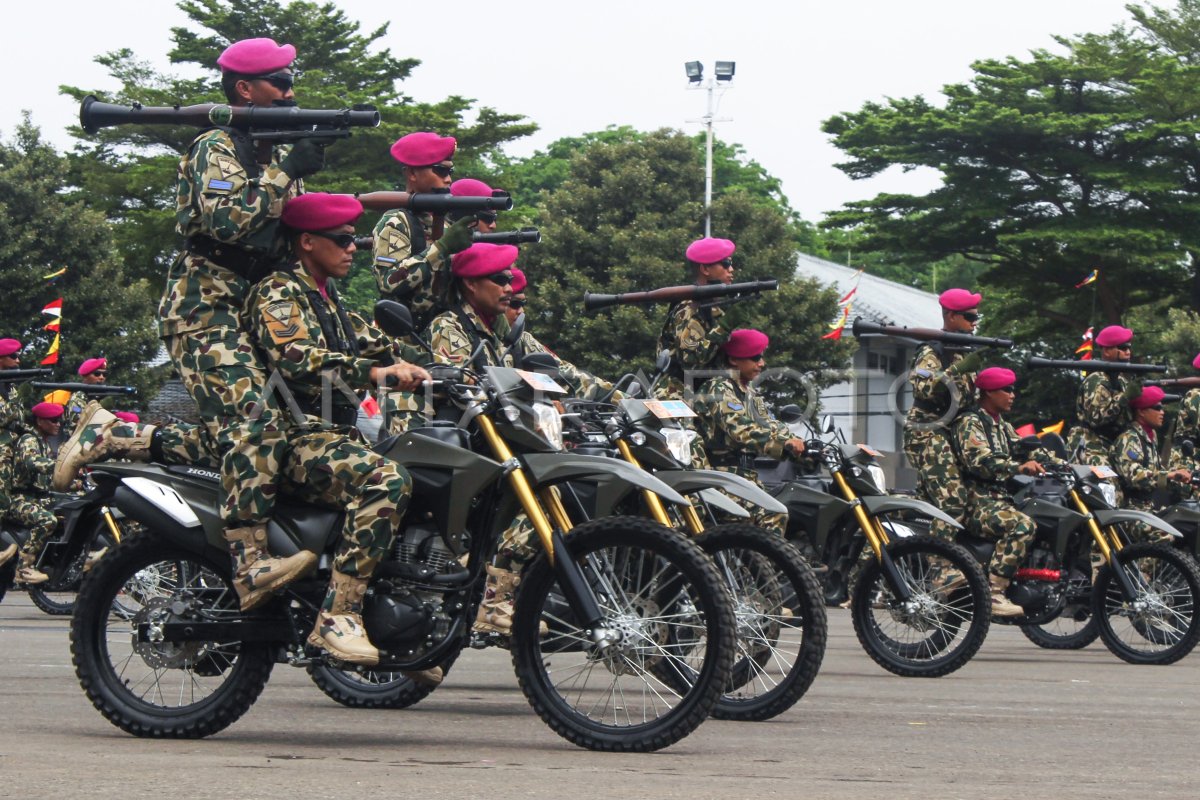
<point x="878" y="300"/>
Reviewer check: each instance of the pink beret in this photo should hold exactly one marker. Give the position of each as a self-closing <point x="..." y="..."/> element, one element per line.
<point x="1150" y="396"/>
<point x="710" y="251"/>
<point x="519" y="281"/>
<point x="994" y="378"/>
<point x="319" y="211"/>
<point x="47" y="410"/>
<point x="1114" y="335"/>
<point x="959" y="300"/>
<point x="483" y="259"/>
<point x="91" y="365"/>
<point x="256" y="57"/>
<point x="1196" y="361"/>
<point x="469" y="187"/>
<point x="127" y="416"/>
<point x="9" y="346"/>
<point x="745" y="342"/>
<point x="423" y="149"/>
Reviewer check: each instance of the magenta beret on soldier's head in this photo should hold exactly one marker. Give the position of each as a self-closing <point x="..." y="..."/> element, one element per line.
<point x="959" y="300"/>
<point x="91" y="365"/>
<point x="1150" y="396"/>
<point x="994" y="378"/>
<point x="483" y="259"/>
<point x="9" y="346"/>
<point x="319" y="211"/>
<point x="256" y="57"/>
<point x="710" y="251"/>
<point x="1196" y="361"/>
<point x="47" y="410"/>
<point x="519" y="281"/>
<point x="127" y="416"/>
<point x="1114" y="336"/>
<point x="423" y="149"/>
<point x="745" y="342"/>
<point x="469" y="187"/>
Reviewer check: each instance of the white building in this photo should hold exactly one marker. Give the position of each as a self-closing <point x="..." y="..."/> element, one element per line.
<point x="870" y="407"/>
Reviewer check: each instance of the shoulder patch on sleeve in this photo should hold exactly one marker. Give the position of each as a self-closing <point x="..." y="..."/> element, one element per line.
<point x="229" y="166"/>
<point x="734" y="406"/>
<point x="283" y="322"/>
<point x="923" y="373"/>
<point x="218" y="186"/>
<point x="1133" y="455"/>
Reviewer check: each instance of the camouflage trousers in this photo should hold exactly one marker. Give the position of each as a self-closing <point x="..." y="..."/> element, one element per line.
<point x="32" y="512"/>
<point x="332" y="469"/>
<point x="775" y="523"/>
<point x="997" y="518"/>
<point x="939" y="480"/>
<point x="404" y="410"/>
<point x="1139" y="532"/>
<point x="225" y="377"/>
<point x="175" y="443"/>
<point x="1096" y="451"/>
<point x="6" y="471"/>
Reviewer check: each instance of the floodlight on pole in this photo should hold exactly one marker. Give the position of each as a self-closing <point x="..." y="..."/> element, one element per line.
<point x="724" y="73"/>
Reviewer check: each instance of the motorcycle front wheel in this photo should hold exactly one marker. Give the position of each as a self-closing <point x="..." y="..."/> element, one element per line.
<point x="157" y="688"/>
<point x="1159" y="624"/>
<point x="933" y="633"/>
<point x="657" y="667"/>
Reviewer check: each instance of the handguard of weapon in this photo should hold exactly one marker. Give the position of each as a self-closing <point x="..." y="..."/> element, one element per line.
<point x="1037" y="362"/>
<point x="94" y="115"/>
<point x="90" y="389"/>
<point x="523" y="236"/>
<point x="16" y="375"/>
<point x="1191" y="382"/>
<point x="675" y="294"/>
<point x="862" y="328"/>
<point x="438" y="203"/>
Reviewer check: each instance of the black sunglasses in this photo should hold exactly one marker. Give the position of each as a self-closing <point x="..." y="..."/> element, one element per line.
<point x="515" y="303"/>
<point x="970" y="316"/>
<point x="342" y="240"/>
<point x="1158" y="407"/>
<point x="283" y="81"/>
<point x="99" y="372"/>
<point x="758" y="357"/>
<point x="1007" y="389"/>
<point x="441" y="171"/>
<point x="1126" y="346"/>
<point x="500" y="278"/>
<point x="489" y="217"/>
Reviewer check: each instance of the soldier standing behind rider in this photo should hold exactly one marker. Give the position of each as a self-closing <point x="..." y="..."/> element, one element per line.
<point x="1136" y="461"/>
<point x="93" y="372"/>
<point x="692" y="332"/>
<point x="943" y="386"/>
<point x="1187" y="427"/>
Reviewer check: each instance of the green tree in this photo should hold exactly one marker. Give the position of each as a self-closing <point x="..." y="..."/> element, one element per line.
<point x="41" y="232"/>
<point x="619" y="221"/>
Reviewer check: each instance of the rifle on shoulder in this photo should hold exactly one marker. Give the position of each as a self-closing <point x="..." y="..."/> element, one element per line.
<point x="1191" y="382"/>
<point x="963" y="341"/>
<point x="22" y="375"/>
<point x="89" y="389"/>
<point x="708" y="294"/>
<point x="1037" y="362"/>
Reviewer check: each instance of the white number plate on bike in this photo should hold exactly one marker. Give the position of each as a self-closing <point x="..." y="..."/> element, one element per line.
<point x="1103" y="472"/>
<point x="669" y="409"/>
<point x="540" y="382"/>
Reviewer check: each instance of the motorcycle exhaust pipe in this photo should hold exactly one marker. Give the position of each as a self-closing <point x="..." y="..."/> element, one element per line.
<point x="1038" y="575"/>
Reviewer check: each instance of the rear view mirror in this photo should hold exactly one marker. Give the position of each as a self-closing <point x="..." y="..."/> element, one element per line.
<point x="393" y="318"/>
<point x="791" y="413"/>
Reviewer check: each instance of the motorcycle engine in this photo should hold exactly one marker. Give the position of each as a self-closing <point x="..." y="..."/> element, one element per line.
<point x="408" y="609"/>
<point x="1033" y="595"/>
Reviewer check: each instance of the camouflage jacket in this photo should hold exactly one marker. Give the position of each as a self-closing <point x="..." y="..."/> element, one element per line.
<point x="935" y="390"/>
<point x="302" y="335"/>
<point x="217" y="198"/>
<point x="414" y="276"/>
<point x="454" y="334"/>
<point x="1100" y="406"/>
<point x="985" y="448"/>
<point x="694" y="337"/>
<point x="1135" y="459"/>
<point x="736" y="423"/>
<point x="582" y="383"/>
<point x="33" y="465"/>
<point x="1187" y="426"/>
<point x="11" y="416"/>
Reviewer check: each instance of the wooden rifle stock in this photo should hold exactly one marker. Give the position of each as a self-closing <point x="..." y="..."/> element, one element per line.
<point x="1192" y="382"/>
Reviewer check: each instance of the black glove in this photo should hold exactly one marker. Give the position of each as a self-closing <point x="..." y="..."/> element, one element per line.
<point x="971" y="362"/>
<point x="458" y="236"/>
<point x="306" y="157"/>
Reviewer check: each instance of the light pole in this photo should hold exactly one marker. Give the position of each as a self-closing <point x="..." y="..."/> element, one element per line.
<point x="723" y="73"/>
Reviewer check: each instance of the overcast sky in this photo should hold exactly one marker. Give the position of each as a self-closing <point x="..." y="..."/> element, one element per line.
<point x="572" y="68"/>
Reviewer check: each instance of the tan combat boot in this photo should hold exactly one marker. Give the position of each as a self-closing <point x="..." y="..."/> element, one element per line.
<point x="7" y="553"/>
<point x="1001" y="605"/>
<point x="92" y="441"/>
<point x="496" y="611"/>
<point x="339" y="630"/>
<point x="93" y="557"/>
<point x="256" y="573"/>
<point x="28" y="573"/>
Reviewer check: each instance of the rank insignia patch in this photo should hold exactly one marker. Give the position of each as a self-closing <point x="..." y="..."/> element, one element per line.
<point x="283" y="322"/>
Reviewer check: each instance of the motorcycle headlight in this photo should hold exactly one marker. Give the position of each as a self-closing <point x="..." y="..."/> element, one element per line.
<point x="547" y="422"/>
<point x="1109" y="493"/>
<point x="679" y="444"/>
<point x="875" y="473"/>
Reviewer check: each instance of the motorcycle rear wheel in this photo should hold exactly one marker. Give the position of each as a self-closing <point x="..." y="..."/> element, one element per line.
<point x="162" y="690"/>
<point x="1161" y="623"/>
<point x="61" y="602"/>
<point x="662" y="597"/>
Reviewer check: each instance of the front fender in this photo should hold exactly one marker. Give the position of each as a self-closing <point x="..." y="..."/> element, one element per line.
<point x="1112" y="516"/>
<point x="550" y="468"/>
<point x="881" y="504"/>
<point x="686" y="481"/>
<point x="718" y="501"/>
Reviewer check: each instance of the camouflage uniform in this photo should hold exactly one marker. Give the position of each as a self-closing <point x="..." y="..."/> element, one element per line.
<point x="1187" y="426"/>
<point x="737" y="426"/>
<point x="582" y="383"/>
<point x="305" y="335"/>
<point x="694" y="337"/>
<point x="453" y="336"/>
<point x="10" y="431"/>
<point x="230" y="216"/>
<point x="33" y="464"/>
<point x="1102" y="408"/>
<point x="71" y="409"/>
<point x="939" y="397"/>
<point x="1136" y="460"/>
<point x="409" y="266"/>
<point x="985" y="446"/>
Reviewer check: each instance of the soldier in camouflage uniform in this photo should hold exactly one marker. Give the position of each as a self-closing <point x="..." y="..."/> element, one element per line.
<point x="735" y="422"/>
<point x="1136" y="460"/>
<point x="943" y="386"/>
<point x="304" y="331"/>
<point x="230" y="196"/>
<point x="1187" y="427"/>
<point x="10" y="430"/>
<point x="986" y="446"/>
<point x="93" y="372"/>
<point x="1102" y="403"/>
<point x="33" y="463"/>
<point x="409" y="265"/>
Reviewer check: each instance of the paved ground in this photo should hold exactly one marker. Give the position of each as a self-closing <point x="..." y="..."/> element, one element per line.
<point x="1016" y="722"/>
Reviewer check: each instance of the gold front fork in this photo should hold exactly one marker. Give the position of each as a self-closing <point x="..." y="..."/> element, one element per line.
<point x="520" y="484"/>
<point x="113" y="527"/>
<point x="871" y="528"/>
<point x="654" y="502"/>
<point x="1102" y="541"/>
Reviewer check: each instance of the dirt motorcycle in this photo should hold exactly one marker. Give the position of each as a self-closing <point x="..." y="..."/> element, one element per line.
<point x="610" y="674"/>
<point x="877" y="555"/>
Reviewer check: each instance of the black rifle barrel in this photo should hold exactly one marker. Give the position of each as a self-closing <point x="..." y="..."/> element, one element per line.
<point x="1037" y="362"/>
<point x="94" y="115"/>
<point x="523" y="236"/>
<point x="14" y="375"/>
<point x="863" y="328"/>
<point x="675" y="294"/>
<point x="96" y="389"/>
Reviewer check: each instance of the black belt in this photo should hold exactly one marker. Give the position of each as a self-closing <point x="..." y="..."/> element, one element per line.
<point x="245" y="263"/>
<point x="339" y="413"/>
